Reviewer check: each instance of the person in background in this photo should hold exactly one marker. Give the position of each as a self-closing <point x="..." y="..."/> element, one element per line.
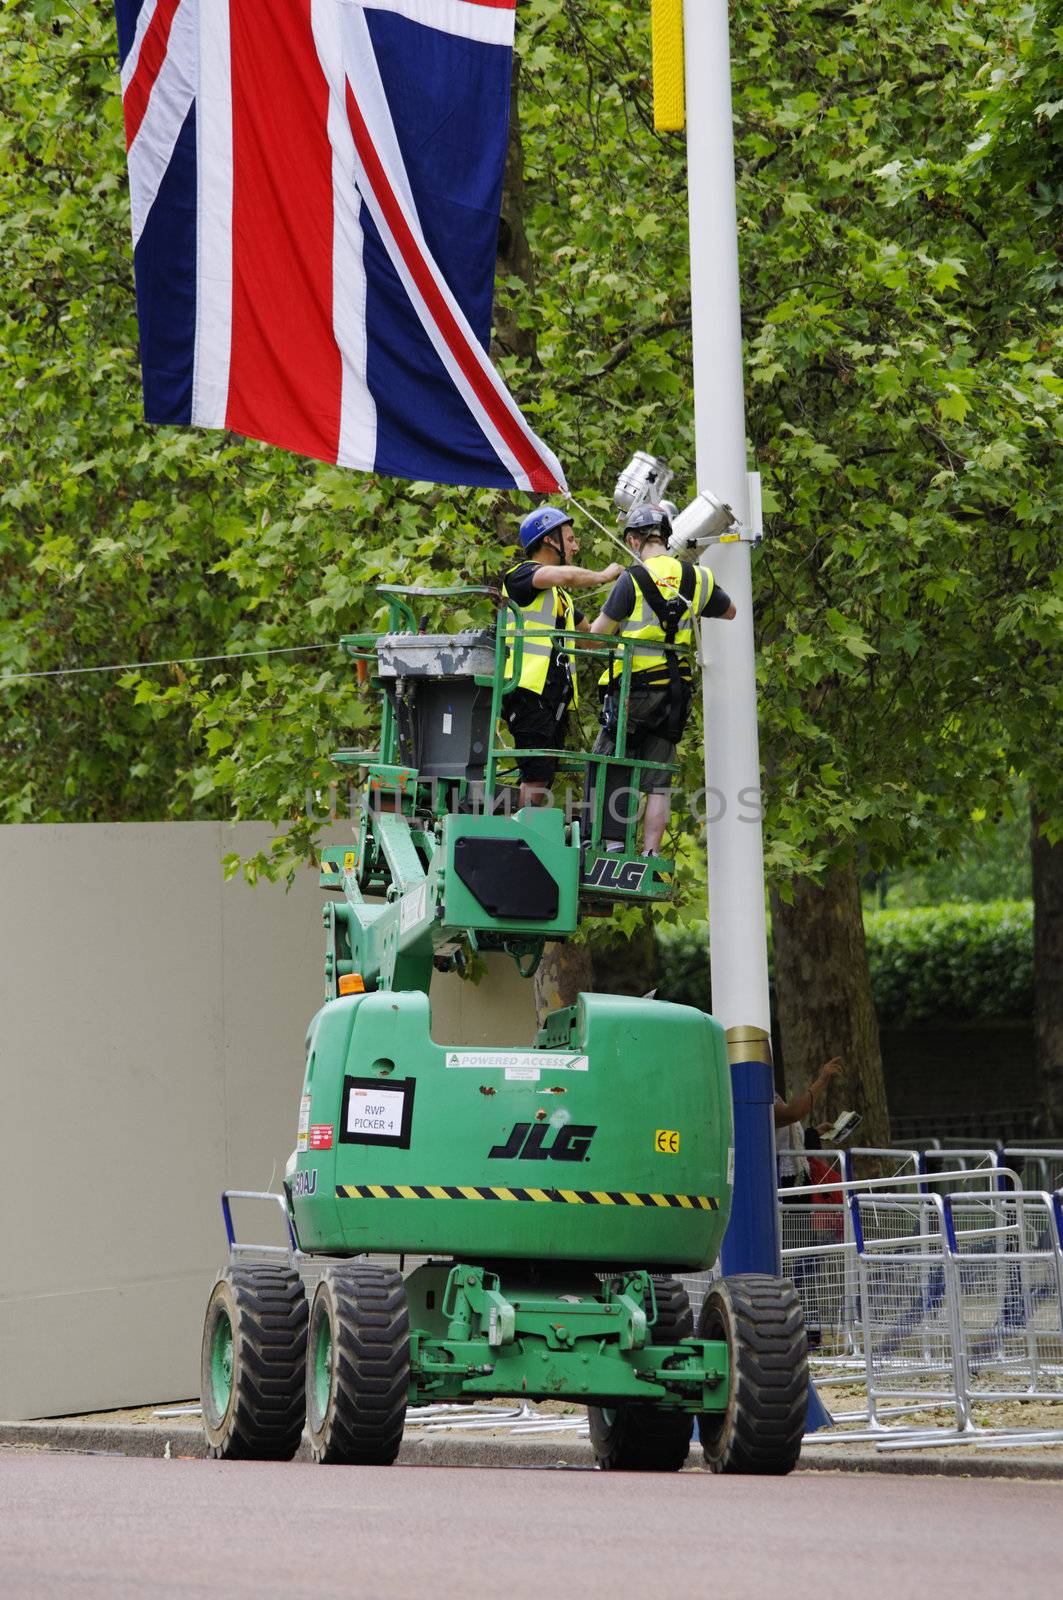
<point x="798" y="1220"/>
<point x="789" y="1134"/>
<point x="536" y="711"/>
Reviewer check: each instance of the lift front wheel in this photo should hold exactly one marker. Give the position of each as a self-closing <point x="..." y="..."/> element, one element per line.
<point x="358" y="1366"/>
<point x="639" y="1438"/>
<point x="760" y="1319"/>
<point x="254" y="1351"/>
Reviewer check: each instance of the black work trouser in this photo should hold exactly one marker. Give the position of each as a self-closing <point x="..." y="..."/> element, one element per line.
<point x="647" y="740"/>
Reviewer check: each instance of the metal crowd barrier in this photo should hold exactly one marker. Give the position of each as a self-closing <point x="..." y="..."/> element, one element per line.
<point x="981" y="1165"/>
<point x="1039" y="1167"/>
<point x="868" y="1161"/>
<point x="1009" y="1284"/>
<point x="912" y="1338"/>
<point x="959" y="1301"/>
<point x="819" y="1250"/>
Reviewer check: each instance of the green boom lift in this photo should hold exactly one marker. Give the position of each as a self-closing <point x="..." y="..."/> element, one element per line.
<point x="550" y="1192"/>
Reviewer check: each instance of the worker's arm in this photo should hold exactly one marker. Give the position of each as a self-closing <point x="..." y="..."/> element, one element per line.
<point x="574" y="577"/>
<point x="619" y="604"/>
<point x="719" y="605"/>
<point x="584" y="627"/>
<point x="604" y="624"/>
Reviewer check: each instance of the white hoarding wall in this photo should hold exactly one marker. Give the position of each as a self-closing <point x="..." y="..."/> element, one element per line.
<point x="152" y="1020"/>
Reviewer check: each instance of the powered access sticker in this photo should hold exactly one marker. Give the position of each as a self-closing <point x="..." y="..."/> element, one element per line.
<point x="518" y="1064"/>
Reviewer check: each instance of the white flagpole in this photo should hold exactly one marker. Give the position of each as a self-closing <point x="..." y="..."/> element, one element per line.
<point x="737" y="920"/>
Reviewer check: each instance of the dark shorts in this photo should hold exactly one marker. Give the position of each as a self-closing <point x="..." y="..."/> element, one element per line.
<point x="647" y="712"/>
<point x="534" y="724"/>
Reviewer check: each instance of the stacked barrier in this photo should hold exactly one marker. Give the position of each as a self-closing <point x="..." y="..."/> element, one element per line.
<point x="1038" y="1168"/>
<point x="908" y="1307"/>
<point x="935" y="1285"/>
<point x="1009" y="1284"/>
<point x="825" y="1270"/>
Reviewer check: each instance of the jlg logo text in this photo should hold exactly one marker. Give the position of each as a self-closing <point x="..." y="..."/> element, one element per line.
<point x="527" y="1142"/>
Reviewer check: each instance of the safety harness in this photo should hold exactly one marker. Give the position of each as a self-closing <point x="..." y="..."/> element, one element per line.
<point x="670" y="615"/>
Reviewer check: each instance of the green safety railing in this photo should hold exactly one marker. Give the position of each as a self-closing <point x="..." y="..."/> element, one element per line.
<point x="509" y="644"/>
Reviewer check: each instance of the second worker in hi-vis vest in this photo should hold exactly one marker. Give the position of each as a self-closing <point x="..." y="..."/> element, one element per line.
<point x="536" y="711"/>
<point x="654" y="603"/>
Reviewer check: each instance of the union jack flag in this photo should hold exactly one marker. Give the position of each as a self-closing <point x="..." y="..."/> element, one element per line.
<point x="315" y="190"/>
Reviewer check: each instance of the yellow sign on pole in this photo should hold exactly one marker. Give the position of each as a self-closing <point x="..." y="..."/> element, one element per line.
<point x="669" y="103"/>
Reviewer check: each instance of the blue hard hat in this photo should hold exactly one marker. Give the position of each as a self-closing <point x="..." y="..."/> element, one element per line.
<point x="537" y="524"/>
<point x="648" y="517"/>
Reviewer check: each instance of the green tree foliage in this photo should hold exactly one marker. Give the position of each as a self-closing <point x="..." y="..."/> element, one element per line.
<point x="993" y="865"/>
<point x="1018" y="143"/>
<point x="905" y="403"/>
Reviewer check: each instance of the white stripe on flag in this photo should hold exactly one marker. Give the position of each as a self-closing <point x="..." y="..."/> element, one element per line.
<point x="172" y="94"/>
<point x="369" y="91"/>
<point x="129" y="65"/>
<point x="358" y="422"/>
<point x="466" y="19"/>
<point x="214" y="221"/>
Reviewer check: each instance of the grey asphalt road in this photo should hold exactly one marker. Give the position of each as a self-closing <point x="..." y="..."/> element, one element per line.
<point x="89" y="1527"/>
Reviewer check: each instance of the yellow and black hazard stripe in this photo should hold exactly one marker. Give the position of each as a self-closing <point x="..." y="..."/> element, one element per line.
<point x="570" y="1197"/>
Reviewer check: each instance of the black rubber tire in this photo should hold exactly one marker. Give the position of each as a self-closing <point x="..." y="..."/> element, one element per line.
<point x="642" y="1438"/>
<point x="356" y="1389"/>
<point x="675" y="1320"/>
<point x="761" y="1320"/>
<point x="257" y="1315"/>
<point x="633" y="1437"/>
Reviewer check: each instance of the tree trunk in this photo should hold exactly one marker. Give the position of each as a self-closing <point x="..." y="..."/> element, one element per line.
<point x="1048" y="971"/>
<point x="626" y="963"/>
<point x="564" y="972"/>
<point x="823" y="999"/>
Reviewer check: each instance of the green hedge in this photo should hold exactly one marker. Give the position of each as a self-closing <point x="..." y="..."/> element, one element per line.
<point x="942" y="963"/>
<point x="952" y="962"/>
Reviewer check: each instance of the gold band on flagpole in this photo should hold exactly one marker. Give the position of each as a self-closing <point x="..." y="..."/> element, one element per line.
<point x="669" y="101"/>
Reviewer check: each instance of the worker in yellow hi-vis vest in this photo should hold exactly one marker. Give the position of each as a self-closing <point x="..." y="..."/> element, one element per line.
<point x="655" y="603"/>
<point x="536" y="711"/>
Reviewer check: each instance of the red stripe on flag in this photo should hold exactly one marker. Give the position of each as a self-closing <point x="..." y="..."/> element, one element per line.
<point x="149" y="65"/>
<point x="539" y="475"/>
<point x="285" y="377"/>
<point x="496" y="5"/>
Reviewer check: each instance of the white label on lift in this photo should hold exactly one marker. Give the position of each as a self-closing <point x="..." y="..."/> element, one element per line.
<point x="448" y="722"/>
<point x="523" y="1074"/>
<point x="302" y="1140"/>
<point x="376" y="1113"/>
<point x="412" y="907"/>
<point x="730" y="1163"/>
<point x="517" y="1063"/>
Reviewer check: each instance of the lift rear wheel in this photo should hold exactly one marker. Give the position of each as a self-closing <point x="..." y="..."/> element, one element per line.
<point x="358" y="1366"/>
<point x="760" y="1319"/>
<point x="251" y="1367"/>
<point x="675" y="1320"/>
<point x="643" y="1438"/>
